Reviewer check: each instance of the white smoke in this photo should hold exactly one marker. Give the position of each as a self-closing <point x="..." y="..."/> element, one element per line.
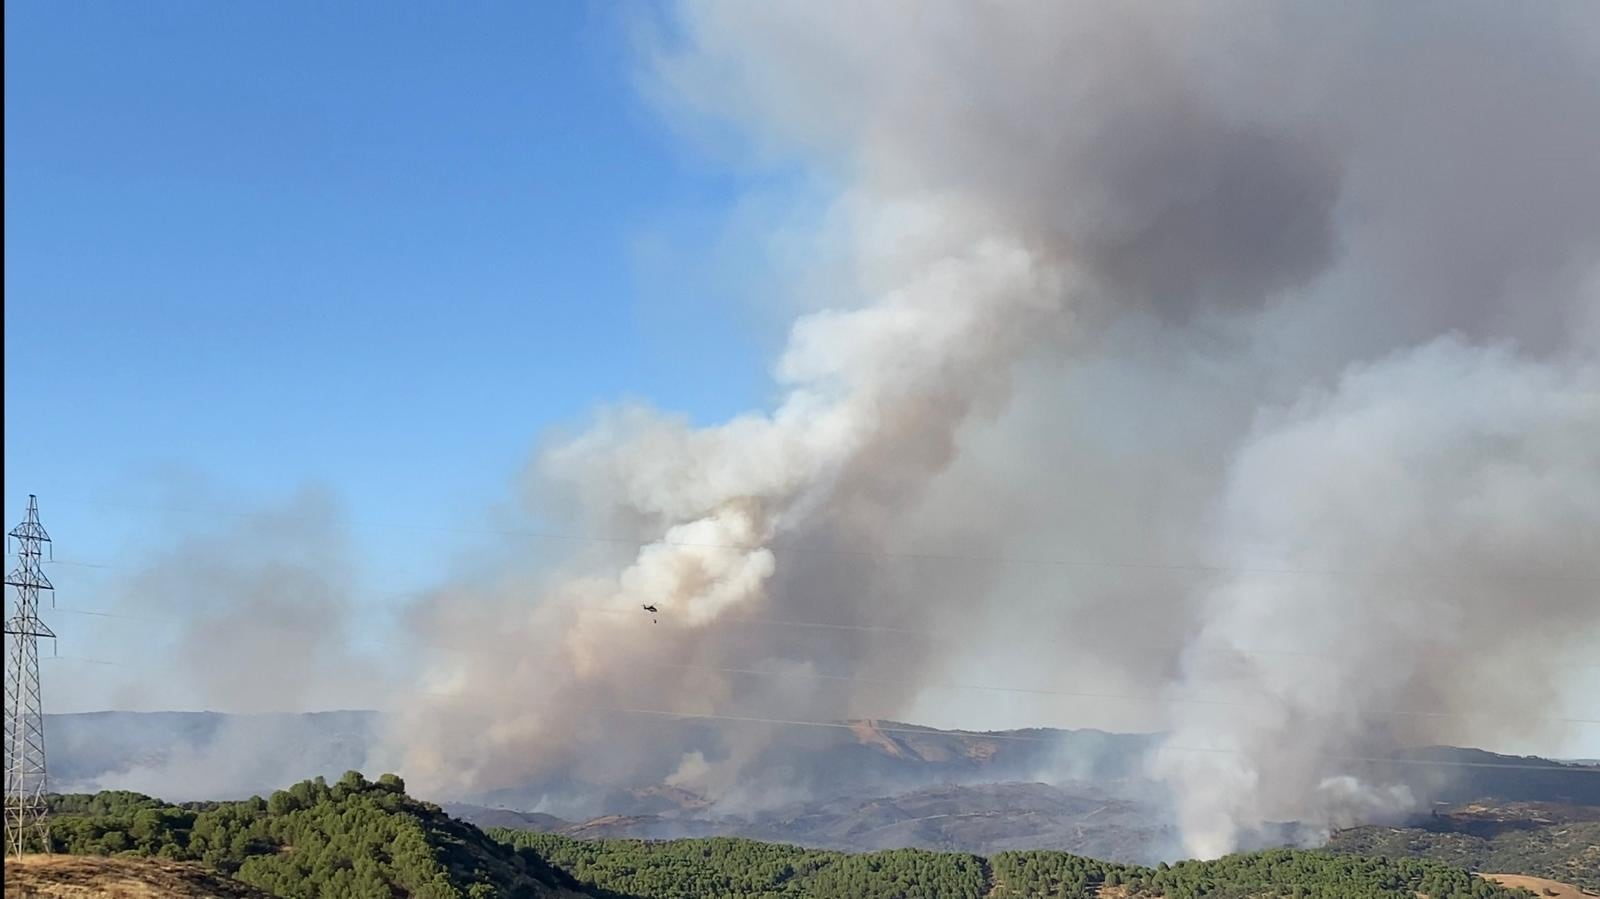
<point x="888" y="382"/>
<point x="1305" y="297"/>
<point x="247" y="597"/>
<point x="1457" y="491"/>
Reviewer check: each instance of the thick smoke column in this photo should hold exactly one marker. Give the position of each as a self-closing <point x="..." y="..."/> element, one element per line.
<point x="885" y="384"/>
<point x="1457" y="492"/>
<point x="1264" y="286"/>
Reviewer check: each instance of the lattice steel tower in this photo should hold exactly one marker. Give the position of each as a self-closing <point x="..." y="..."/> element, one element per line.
<point x="25" y="772"/>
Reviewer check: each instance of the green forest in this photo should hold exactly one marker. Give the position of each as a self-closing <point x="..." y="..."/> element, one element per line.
<point x="726" y="868"/>
<point x="355" y="839"/>
<point x="369" y="840"/>
<point x="1568" y="851"/>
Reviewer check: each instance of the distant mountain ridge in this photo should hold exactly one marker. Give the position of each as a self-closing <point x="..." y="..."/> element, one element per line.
<point x="203" y="755"/>
<point x="237" y="755"/>
<point x="872" y="784"/>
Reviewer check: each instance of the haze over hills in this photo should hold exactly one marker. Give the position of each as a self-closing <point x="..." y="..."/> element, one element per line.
<point x="871" y="785"/>
<point x="370" y="839"/>
<point x="208" y="754"/>
<point x="202" y="755"/>
<point x="978" y="818"/>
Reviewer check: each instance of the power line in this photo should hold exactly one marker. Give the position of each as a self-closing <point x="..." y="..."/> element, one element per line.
<point x="967" y="558"/>
<point x="1039" y="691"/>
<point x="26" y="812"/>
<point x="1004" y="736"/>
<point x="96" y="614"/>
<point x="88" y="661"/>
<point x="76" y="564"/>
<point x="742" y="621"/>
<point x="1153" y="699"/>
<point x="755" y="621"/>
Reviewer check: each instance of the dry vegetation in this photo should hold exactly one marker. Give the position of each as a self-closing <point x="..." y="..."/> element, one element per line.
<point x="84" y="876"/>
<point x="1540" y="886"/>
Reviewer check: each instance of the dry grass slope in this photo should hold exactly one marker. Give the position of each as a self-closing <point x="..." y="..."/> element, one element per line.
<point x="1540" y="886"/>
<point x="84" y="876"/>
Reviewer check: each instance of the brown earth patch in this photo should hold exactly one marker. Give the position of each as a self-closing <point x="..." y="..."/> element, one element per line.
<point x="85" y="876"/>
<point x="1539" y="886"/>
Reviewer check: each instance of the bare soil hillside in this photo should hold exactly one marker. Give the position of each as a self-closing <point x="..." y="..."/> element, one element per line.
<point x="84" y="876"/>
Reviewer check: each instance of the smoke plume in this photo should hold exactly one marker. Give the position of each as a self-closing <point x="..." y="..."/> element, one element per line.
<point x="1457" y="492"/>
<point x="263" y="608"/>
<point x="249" y="616"/>
<point x="1227" y="369"/>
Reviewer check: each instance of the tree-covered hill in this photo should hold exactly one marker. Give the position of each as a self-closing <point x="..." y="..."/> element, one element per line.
<point x="354" y="839"/>
<point x="370" y="840"/>
<point x="726" y="868"/>
<point x="1568" y="851"/>
<point x="1299" y="874"/>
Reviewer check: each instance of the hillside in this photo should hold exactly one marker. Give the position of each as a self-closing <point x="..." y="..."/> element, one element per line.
<point x="1561" y="842"/>
<point x="874" y="784"/>
<point x="981" y="818"/>
<point x="724" y="868"/>
<point x="370" y="840"/>
<point x="881" y="785"/>
<point x="354" y="838"/>
<point x="1121" y="824"/>
<point x="208" y="755"/>
<point x="1539" y="886"/>
<point x="97" y="877"/>
<point x="194" y="755"/>
<point x="1467" y="775"/>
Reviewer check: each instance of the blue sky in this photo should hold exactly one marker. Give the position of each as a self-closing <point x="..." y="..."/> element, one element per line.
<point x="370" y="248"/>
<point x="373" y="247"/>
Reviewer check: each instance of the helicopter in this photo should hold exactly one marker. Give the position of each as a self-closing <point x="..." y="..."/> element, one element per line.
<point x="652" y="610"/>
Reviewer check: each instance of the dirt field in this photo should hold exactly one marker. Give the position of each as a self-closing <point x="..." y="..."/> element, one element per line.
<point x="1539" y="886"/>
<point x="81" y="877"/>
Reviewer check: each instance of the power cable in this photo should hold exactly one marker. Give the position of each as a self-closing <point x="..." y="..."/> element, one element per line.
<point x="968" y="558"/>
<point x="1153" y="699"/>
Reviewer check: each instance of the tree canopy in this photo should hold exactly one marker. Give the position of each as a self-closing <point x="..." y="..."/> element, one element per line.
<point x="725" y="868"/>
<point x="355" y="838"/>
<point x="369" y="840"/>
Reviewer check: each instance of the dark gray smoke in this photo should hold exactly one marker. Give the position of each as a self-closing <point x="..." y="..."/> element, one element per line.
<point x="1232" y="362"/>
